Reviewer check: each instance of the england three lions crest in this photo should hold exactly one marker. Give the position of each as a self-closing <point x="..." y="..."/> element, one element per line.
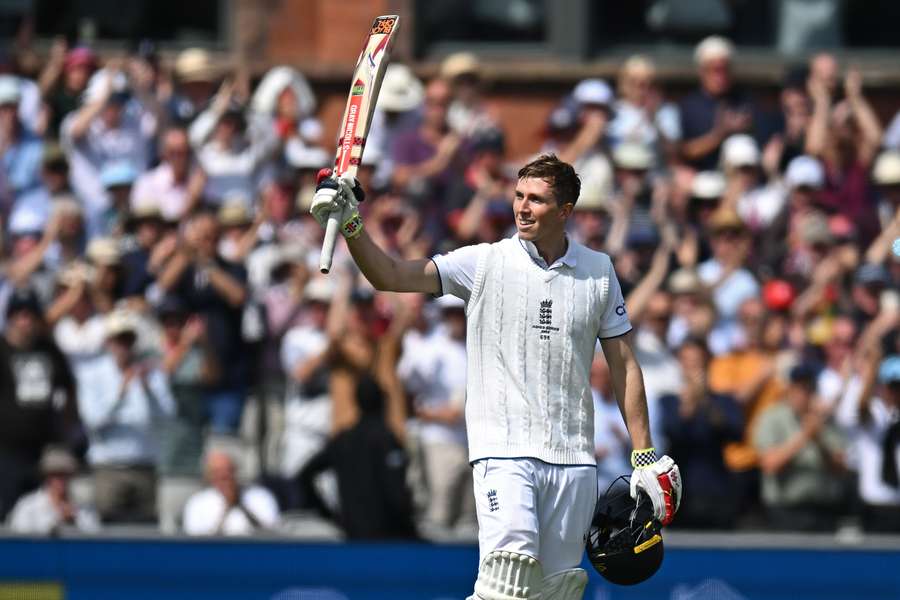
<point x="545" y="320"/>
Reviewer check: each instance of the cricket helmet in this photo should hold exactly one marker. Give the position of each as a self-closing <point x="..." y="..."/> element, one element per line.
<point x="625" y="541"/>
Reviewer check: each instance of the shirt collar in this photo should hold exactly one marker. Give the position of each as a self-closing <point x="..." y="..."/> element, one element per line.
<point x="568" y="259"/>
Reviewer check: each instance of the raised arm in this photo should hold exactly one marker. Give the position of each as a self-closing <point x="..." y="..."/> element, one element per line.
<point x="391" y="274"/>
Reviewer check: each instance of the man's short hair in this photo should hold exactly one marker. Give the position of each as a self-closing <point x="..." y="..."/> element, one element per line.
<point x="559" y="175"/>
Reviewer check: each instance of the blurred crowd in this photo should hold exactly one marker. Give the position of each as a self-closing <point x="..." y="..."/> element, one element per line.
<point x="171" y="356"/>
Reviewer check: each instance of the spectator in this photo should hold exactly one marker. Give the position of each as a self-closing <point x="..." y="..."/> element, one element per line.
<point x="189" y="362"/>
<point x="117" y="179"/>
<point x="611" y="445"/>
<point x="641" y="114"/>
<point x="436" y="381"/>
<point x="592" y="100"/>
<point x="216" y="289"/>
<point x="104" y="256"/>
<point x="467" y="114"/>
<point x="370" y="466"/>
<point x="725" y="272"/>
<point x="123" y="399"/>
<point x="37" y="397"/>
<point x="111" y="126"/>
<point x="307" y="355"/>
<point x="21" y="149"/>
<point x="50" y="509"/>
<point x="226" y="507"/>
<point x="801" y="454"/>
<point x="78" y="328"/>
<point x="846" y="137"/>
<point x="233" y="161"/>
<point x="757" y="200"/>
<point x="482" y="195"/>
<point x="284" y="106"/>
<point x="195" y="77"/>
<point x="715" y="111"/>
<point x="64" y="79"/>
<point x="399" y="106"/>
<point x="697" y="424"/>
<point x="176" y="185"/>
<point x="872" y="426"/>
<point x="153" y="245"/>
<point x="796" y="112"/>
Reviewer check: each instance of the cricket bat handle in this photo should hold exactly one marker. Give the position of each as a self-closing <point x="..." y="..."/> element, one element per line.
<point x="331" y="233"/>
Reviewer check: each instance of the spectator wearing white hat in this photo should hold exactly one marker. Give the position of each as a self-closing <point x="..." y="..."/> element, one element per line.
<point x="399" y="104"/>
<point x="435" y="378"/>
<point x="78" y="328"/>
<point x="757" y="200"/>
<point x="21" y="150"/>
<point x="50" y="509"/>
<point x="593" y="100"/>
<point x="122" y="400"/>
<point x="716" y="110"/>
<point x="195" y="83"/>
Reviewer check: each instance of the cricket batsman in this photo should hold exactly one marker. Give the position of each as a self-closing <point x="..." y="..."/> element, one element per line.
<point x="536" y="303"/>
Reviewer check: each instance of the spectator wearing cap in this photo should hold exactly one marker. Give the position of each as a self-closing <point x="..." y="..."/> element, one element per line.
<point x="78" y="328"/>
<point x="483" y="191"/>
<point x="592" y="100"/>
<point x="872" y="423"/>
<point x="307" y="357"/>
<point x="50" y="509"/>
<point x="37" y="397"/>
<point x="846" y="137"/>
<point x="153" y="245"/>
<point x="106" y="258"/>
<point x="757" y="200"/>
<point x="468" y="113"/>
<point x="435" y="381"/>
<point x="399" y="105"/>
<point x="707" y="188"/>
<point x="176" y="184"/>
<point x="689" y="297"/>
<point x="591" y="216"/>
<point x="641" y="116"/>
<point x="801" y="456"/>
<point x="698" y="423"/>
<point x="190" y="364"/>
<point x="227" y="507"/>
<point x="117" y="179"/>
<point x="215" y="288"/>
<point x="725" y="273"/>
<point x="633" y="194"/>
<point x="716" y="110"/>
<point x="233" y="160"/>
<point x="110" y="127"/>
<point x="122" y="400"/>
<point x="64" y="79"/>
<point x="21" y="151"/>
<point x="427" y="158"/>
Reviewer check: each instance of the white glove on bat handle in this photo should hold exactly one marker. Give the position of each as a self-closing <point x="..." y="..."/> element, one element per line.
<point x="331" y="234"/>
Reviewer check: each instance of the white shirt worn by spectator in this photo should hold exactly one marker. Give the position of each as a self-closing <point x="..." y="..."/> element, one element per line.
<point x="865" y="452"/>
<point x="122" y="430"/>
<point x="206" y="512"/>
<point x="158" y="187"/>
<point x="35" y="514"/>
<point x="307" y="419"/>
<point x="631" y="124"/>
<point x="530" y="339"/>
<point x="80" y="342"/>
<point x="436" y="376"/>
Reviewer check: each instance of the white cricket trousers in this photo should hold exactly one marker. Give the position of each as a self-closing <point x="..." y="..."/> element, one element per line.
<point x="531" y="507"/>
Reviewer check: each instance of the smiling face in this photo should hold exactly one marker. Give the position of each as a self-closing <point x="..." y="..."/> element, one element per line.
<point x="538" y="214"/>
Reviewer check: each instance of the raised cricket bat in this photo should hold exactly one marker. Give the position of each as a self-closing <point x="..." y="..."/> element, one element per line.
<point x="364" y="89"/>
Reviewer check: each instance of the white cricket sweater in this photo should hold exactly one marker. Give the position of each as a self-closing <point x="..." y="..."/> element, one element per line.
<point x="531" y="337"/>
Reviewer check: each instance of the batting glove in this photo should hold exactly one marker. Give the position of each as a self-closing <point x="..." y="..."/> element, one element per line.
<point x="338" y="194"/>
<point x="660" y="479"/>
